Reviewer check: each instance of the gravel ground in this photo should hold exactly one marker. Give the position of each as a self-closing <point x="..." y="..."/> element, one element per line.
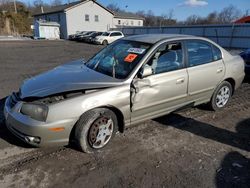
<point x="191" y="148"/>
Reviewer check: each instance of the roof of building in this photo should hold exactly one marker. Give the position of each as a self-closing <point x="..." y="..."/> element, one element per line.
<point x="45" y="23"/>
<point x="127" y="15"/>
<point x="61" y="8"/>
<point x="154" y="38"/>
<point x="245" y="19"/>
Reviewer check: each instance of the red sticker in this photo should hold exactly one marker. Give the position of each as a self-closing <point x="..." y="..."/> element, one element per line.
<point x="130" y="58"/>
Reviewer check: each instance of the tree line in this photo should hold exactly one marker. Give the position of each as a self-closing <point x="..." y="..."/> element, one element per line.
<point x="16" y="16"/>
<point x="225" y="16"/>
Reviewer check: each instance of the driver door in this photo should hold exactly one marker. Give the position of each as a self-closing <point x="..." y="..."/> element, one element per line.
<point x="163" y="91"/>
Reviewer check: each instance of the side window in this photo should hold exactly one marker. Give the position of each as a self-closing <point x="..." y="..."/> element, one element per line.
<point x="216" y="53"/>
<point x="119" y="34"/>
<point x="199" y="53"/>
<point x="115" y="34"/>
<point x="168" y="58"/>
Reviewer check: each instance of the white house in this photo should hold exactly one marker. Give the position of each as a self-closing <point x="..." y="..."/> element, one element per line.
<point x="86" y="15"/>
<point x="124" y="19"/>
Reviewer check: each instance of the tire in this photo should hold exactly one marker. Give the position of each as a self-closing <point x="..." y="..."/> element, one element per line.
<point x="218" y="100"/>
<point x="94" y="129"/>
<point x="105" y="42"/>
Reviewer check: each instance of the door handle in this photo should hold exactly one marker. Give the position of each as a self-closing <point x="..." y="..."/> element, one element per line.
<point x="219" y="70"/>
<point x="180" y="81"/>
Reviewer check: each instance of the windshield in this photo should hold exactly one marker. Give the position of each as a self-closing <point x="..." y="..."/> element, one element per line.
<point x="105" y="34"/>
<point x="119" y="58"/>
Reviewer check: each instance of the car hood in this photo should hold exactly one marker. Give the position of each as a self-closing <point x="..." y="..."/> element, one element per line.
<point x="69" y="77"/>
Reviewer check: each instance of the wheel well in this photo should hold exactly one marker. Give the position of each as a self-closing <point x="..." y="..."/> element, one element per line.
<point x="119" y="116"/>
<point x="232" y="82"/>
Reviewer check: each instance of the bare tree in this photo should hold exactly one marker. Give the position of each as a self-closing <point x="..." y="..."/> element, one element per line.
<point x="56" y="2"/>
<point x="193" y="20"/>
<point x="114" y="7"/>
<point x="212" y="18"/>
<point x="38" y="3"/>
<point x="229" y="14"/>
<point x="168" y="18"/>
<point x="247" y="12"/>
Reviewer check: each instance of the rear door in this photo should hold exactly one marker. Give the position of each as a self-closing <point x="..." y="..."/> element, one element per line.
<point x="205" y="69"/>
<point x="163" y="91"/>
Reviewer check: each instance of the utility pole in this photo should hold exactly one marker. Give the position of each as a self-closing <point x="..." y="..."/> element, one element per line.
<point x="15" y="6"/>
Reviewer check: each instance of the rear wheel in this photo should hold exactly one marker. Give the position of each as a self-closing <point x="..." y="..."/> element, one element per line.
<point x="105" y="42"/>
<point x="95" y="129"/>
<point x="221" y="96"/>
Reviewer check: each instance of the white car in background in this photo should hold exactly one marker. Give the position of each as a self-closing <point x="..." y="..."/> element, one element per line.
<point x="108" y="37"/>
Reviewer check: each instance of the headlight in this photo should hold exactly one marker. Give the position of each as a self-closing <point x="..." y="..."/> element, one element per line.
<point x="36" y="111"/>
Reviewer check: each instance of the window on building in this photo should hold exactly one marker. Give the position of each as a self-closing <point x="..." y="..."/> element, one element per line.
<point x="139" y="23"/>
<point x="86" y="17"/>
<point x="119" y="22"/>
<point x="132" y="22"/>
<point x="96" y="18"/>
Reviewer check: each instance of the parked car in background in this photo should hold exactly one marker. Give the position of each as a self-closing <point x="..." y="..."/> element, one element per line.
<point x="74" y="36"/>
<point x="246" y="56"/>
<point x="92" y="37"/>
<point x="108" y="37"/>
<point x="81" y="38"/>
<point x="132" y="80"/>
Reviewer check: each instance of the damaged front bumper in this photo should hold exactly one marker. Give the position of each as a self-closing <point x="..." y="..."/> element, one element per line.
<point x="35" y="132"/>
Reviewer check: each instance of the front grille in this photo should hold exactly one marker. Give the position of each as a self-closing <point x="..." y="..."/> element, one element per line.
<point x="14" y="98"/>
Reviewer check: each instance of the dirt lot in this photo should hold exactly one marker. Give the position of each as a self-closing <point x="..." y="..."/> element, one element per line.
<point x="191" y="148"/>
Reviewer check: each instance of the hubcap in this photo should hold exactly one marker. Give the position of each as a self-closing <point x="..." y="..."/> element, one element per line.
<point x="100" y="132"/>
<point x="223" y="96"/>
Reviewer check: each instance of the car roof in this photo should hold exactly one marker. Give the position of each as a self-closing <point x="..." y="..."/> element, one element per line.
<point x="114" y="31"/>
<point x="154" y="38"/>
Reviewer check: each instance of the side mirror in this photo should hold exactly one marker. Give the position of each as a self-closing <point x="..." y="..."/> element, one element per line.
<point x="145" y="71"/>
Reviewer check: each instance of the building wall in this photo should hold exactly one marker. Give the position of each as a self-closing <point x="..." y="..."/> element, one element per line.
<point x="76" y="18"/>
<point x="59" y="17"/>
<point x="120" y="22"/>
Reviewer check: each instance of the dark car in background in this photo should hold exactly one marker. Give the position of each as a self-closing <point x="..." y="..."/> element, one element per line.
<point x="246" y="56"/>
<point x="81" y="38"/>
<point x="74" y="36"/>
<point x="90" y="39"/>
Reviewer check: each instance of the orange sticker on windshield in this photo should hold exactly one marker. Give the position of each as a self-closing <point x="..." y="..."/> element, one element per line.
<point x="130" y="58"/>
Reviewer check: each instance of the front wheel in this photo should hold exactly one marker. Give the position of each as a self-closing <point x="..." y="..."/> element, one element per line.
<point x="95" y="129"/>
<point x="221" y="96"/>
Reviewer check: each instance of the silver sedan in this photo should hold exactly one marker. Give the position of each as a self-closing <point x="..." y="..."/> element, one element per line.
<point x="133" y="79"/>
